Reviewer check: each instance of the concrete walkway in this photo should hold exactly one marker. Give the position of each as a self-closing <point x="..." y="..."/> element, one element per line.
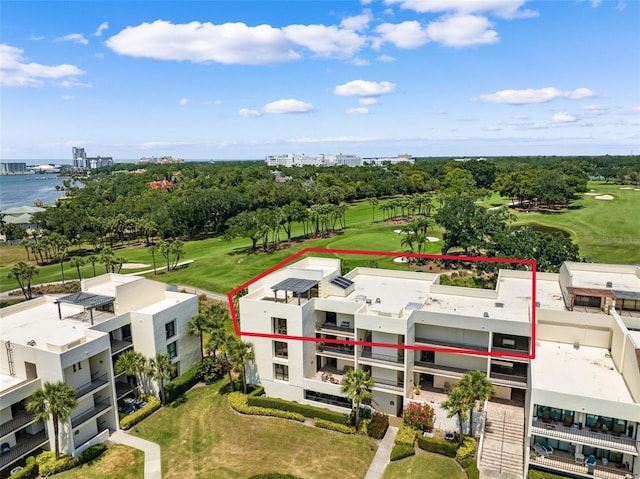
<point x="381" y="459"/>
<point x="152" y="464"/>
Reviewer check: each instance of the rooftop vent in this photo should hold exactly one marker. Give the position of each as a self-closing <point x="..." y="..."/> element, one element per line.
<point x="499" y="305"/>
<point x="31" y="342"/>
<point x="537" y="304"/>
<point x="485" y="314"/>
<point x="378" y="301"/>
<point x="369" y="301"/>
<point x="576" y="345"/>
<point x="609" y="284"/>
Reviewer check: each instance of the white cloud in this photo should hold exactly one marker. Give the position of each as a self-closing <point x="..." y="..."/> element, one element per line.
<point x="73" y="37"/>
<point x="357" y="111"/>
<point x="636" y="108"/>
<point x="333" y="139"/>
<point x="492" y="128"/>
<point x="386" y="58"/>
<point x="530" y="95"/>
<point x="368" y="101"/>
<point x="247" y="113"/>
<point x="359" y="62"/>
<point x="365" y="2"/>
<point x="357" y="22"/>
<point x="409" y="34"/>
<point x="596" y="3"/>
<point x="501" y="8"/>
<point x="73" y="83"/>
<point x="563" y="117"/>
<point x="621" y="6"/>
<point x="442" y="112"/>
<point x="103" y="26"/>
<point x="596" y="109"/>
<point x="184" y="101"/>
<point x="237" y="43"/>
<point x="462" y="31"/>
<point x="290" y="105"/>
<point x="67" y="97"/>
<point x="364" y="88"/>
<point x="15" y="72"/>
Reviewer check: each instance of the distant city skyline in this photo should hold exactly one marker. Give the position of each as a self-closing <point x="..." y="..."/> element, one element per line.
<point x="246" y="79"/>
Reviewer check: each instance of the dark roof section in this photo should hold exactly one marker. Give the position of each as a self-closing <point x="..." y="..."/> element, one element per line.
<point x="86" y="300"/>
<point x="626" y="294"/>
<point x="413" y="306"/>
<point x="295" y="285"/>
<point x="342" y="282"/>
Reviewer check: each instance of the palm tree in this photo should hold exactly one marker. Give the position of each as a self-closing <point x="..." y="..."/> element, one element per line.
<point x="357" y="384"/>
<point x="374" y="202"/>
<point x="160" y="369"/>
<point x="197" y="325"/>
<point x="241" y="355"/>
<point x="23" y="273"/>
<point x="152" y="250"/>
<point x="60" y="255"/>
<point x="476" y="387"/>
<point x="133" y="364"/>
<point x="55" y="401"/>
<point x="457" y="404"/>
<point x="93" y="259"/>
<point x="77" y="262"/>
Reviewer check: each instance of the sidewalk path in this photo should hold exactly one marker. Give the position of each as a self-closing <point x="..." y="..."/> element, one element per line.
<point x="152" y="464"/>
<point x="381" y="459"/>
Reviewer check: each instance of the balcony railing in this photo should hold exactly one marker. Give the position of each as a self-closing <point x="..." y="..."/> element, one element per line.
<point x="334" y="328"/>
<point x="85" y="416"/>
<point x="117" y="346"/>
<point x="508" y="380"/>
<point x="585" y="437"/>
<point x="389" y="384"/>
<point x="20" y="419"/>
<point x="24" y="446"/>
<point x="92" y="386"/>
<point x="450" y="344"/>
<point x="336" y="350"/>
<point x="564" y="462"/>
<point x="431" y="368"/>
<point x="386" y="358"/>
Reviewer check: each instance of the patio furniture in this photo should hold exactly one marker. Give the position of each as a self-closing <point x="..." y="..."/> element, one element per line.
<point x="595" y="427"/>
<point x="617" y="430"/>
<point x="546" y="416"/>
<point x="547" y="448"/>
<point x="5" y="447"/>
<point x="605" y="461"/>
<point x="541" y="451"/>
<point x="568" y="420"/>
<point x="447" y="387"/>
<point x="591" y="460"/>
<point x="579" y="458"/>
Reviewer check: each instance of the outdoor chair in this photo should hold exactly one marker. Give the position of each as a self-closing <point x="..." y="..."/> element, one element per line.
<point x="5" y="447"/>
<point x="547" y="448"/>
<point x="540" y="450"/>
<point x="595" y="427"/>
<point x="617" y="430"/>
<point x="568" y="420"/>
<point x="546" y="416"/>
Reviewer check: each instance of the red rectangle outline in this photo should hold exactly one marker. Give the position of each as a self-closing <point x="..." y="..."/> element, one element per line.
<point x="529" y="262"/>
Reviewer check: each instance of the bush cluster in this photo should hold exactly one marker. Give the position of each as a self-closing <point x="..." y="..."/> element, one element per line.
<point x="304" y="409"/>
<point x="153" y="404"/>
<point x="439" y="446"/>
<point x="333" y="426"/>
<point x="467" y="450"/>
<point x="255" y="390"/>
<point x="48" y="466"/>
<point x="212" y="369"/>
<point x="400" y="452"/>
<point x="238" y="402"/>
<point x="535" y="474"/>
<point x="365" y="413"/>
<point x="91" y="453"/>
<point x="29" y="471"/>
<point x="406" y="436"/>
<point x="181" y="384"/>
<point x="419" y="416"/>
<point x="378" y="426"/>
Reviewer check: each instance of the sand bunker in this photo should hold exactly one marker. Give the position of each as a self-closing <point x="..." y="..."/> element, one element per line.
<point x="402" y="232"/>
<point x="134" y="265"/>
<point x="432" y="239"/>
<point x="626" y="188"/>
<point x="401" y="259"/>
<point x="604" y="197"/>
<point x="592" y="194"/>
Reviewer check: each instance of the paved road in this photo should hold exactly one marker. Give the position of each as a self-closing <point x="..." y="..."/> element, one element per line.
<point x="152" y="463"/>
<point x="381" y="459"/>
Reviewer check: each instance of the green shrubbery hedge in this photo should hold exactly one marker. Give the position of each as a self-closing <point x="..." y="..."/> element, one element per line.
<point x="439" y="446"/>
<point x="180" y="385"/>
<point x="400" y="451"/>
<point x="29" y="471"/>
<point x="378" y="426"/>
<point x="47" y="464"/>
<point x="467" y="450"/>
<point x="406" y="436"/>
<point x="255" y="390"/>
<point x="535" y="474"/>
<point x="333" y="426"/>
<point x="304" y="409"/>
<point x="238" y="402"/>
<point x="153" y="404"/>
<point x="91" y="453"/>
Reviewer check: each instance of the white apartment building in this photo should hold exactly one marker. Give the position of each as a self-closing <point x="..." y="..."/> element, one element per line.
<point x="77" y="338"/>
<point x="586" y="364"/>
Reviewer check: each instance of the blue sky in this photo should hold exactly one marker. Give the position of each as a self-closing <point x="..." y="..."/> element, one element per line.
<point x="242" y="80"/>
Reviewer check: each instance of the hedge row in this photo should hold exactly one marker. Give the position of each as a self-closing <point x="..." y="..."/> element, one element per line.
<point x="304" y="409"/>
<point x="180" y="385"/>
<point x="91" y="453"/>
<point x="238" y="402"/>
<point x="378" y="426"/>
<point x="406" y="436"/>
<point x="48" y="465"/>
<point x="439" y="446"/>
<point x="153" y="404"/>
<point x="333" y="426"/>
<point x="255" y="390"/>
<point x="466" y="450"/>
<point x="29" y="471"/>
<point x="400" y="451"/>
<point x="535" y="474"/>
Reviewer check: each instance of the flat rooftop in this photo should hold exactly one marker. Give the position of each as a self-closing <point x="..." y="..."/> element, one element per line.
<point x="599" y="280"/>
<point x="586" y="371"/>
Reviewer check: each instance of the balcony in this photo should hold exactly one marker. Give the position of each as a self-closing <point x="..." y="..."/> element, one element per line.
<point x="24" y="446"/>
<point x="118" y="346"/>
<point x="19" y="420"/>
<point x="92" y="386"/>
<point x="86" y="415"/>
<point x="439" y="369"/>
<point x="342" y="351"/>
<point x="333" y="329"/>
<point x="369" y="356"/>
<point x="585" y="437"/>
<point x="449" y="344"/>
<point x="565" y="462"/>
<point x="388" y="384"/>
<point x="510" y="380"/>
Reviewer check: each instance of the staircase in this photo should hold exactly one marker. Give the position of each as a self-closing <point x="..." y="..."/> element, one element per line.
<point x="503" y="445"/>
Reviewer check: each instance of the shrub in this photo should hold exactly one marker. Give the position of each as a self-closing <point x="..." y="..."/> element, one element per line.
<point x="29" y="471"/>
<point x="304" y="409"/>
<point x="153" y="404"/>
<point x="439" y="446"/>
<point x="91" y="453"/>
<point x="47" y="464"/>
<point x="467" y="450"/>
<point x="535" y="474"/>
<point x="473" y="472"/>
<point x="238" y="402"/>
<point x="212" y="369"/>
<point x="406" y="436"/>
<point x="181" y="384"/>
<point x="255" y="390"/>
<point x="365" y="413"/>
<point x="378" y="426"/>
<point x="419" y="416"/>
<point x="333" y="426"/>
<point x="400" y="452"/>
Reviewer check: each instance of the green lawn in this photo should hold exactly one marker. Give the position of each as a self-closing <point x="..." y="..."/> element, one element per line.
<point x="605" y="231"/>
<point x="118" y="461"/>
<point x="424" y="466"/>
<point x="204" y="438"/>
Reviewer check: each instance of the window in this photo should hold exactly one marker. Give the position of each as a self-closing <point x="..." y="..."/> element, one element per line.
<point x="175" y="371"/>
<point x="588" y="301"/>
<point x="172" y="349"/>
<point x="280" y="349"/>
<point x="170" y="329"/>
<point x="279" y="326"/>
<point x="126" y="332"/>
<point x="281" y="372"/>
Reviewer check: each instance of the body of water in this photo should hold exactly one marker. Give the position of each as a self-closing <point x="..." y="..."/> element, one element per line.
<point x="24" y="190"/>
